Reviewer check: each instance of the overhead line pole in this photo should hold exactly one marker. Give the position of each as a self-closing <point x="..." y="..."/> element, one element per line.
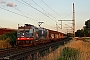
<point x="73" y="20"/>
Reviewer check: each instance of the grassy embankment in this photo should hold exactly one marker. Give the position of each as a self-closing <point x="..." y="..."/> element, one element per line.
<point x="86" y="39"/>
<point x="69" y="53"/>
<point x="79" y="50"/>
<point x="5" y="43"/>
<point x="8" y="40"/>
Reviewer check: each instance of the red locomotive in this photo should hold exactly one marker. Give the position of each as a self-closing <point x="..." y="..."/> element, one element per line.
<point x="30" y="35"/>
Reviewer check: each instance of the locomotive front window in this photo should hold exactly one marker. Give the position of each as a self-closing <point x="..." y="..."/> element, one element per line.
<point x="21" y="30"/>
<point x="26" y="30"/>
<point x="31" y="31"/>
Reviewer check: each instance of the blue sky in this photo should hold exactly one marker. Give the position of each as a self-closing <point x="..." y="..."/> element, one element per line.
<point x="32" y="13"/>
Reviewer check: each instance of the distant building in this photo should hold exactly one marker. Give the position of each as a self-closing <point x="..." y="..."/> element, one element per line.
<point x="6" y="30"/>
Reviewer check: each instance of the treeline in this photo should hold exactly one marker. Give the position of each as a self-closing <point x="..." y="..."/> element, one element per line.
<point x="85" y="31"/>
<point x="9" y="38"/>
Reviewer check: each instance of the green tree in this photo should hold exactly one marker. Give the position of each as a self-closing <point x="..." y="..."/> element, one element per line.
<point x="85" y="31"/>
<point x="3" y="37"/>
<point x="87" y="28"/>
<point x="13" y="39"/>
<point x="87" y="23"/>
<point x="69" y="35"/>
<point x="12" y="36"/>
<point x="79" y="33"/>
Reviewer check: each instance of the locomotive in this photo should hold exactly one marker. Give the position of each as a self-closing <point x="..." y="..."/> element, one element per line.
<point x="28" y="35"/>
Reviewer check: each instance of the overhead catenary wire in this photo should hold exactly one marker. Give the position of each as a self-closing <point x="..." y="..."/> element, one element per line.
<point x="54" y="10"/>
<point x="67" y="16"/>
<point x="44" y="10"/>
<point x="37" y="10"/>
<point x="48" y="13"/>
<point x="51" y="8"/>
<point x="22" y="13"/>
<point x="26" y="13"/>
<point x="27" y="16"/>
<point x="17" y="13"/>
<point x="25" y="3"/>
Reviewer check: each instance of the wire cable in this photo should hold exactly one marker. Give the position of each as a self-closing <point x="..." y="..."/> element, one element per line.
<point x="43" y="9"/>
<point x="51" y="8"/>
<point x="37" y="10"/>
<point x="17" y="13"/>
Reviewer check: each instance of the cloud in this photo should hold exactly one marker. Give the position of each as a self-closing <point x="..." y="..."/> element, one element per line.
<point x="11" y="4"/>
<point x="2" y="1"/>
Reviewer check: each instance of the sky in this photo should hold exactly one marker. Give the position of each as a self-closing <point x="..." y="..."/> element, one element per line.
<point x="14" y="12"/>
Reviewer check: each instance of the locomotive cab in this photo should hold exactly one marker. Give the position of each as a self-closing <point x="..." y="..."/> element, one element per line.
<point x="25" y="35"/>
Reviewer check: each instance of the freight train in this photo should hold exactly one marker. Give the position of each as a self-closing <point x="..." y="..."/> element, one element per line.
<point x="28" y="35"/>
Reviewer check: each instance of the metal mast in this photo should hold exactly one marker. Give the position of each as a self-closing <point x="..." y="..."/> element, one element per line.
<point x="73" y="20"/>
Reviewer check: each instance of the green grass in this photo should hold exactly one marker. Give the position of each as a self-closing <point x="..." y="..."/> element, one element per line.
<point x="86" y="39"/>
<point x="68" y="54"/>
<point x="4" y="43"/>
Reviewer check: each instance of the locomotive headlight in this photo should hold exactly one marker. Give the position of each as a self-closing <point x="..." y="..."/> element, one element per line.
<point x="23" y="33"/>
<point x="27" y="38"/>
<point x="18" y="38"/>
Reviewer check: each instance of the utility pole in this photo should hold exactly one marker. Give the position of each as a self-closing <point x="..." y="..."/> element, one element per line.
<point x="56" y="26"/>
<point x="18" y="26"/>
<point x="73" y="20"/>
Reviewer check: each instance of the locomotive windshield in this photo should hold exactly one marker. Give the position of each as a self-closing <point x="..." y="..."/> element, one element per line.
<point x="23" y="31"/>
<point x="27" y="30"/>
<point x="20" y="30"/>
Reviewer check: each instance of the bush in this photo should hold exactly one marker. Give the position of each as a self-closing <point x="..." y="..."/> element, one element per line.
<point x="5" y="43"/>
<point x="69" y="53"/>
<point x="12" y="37"/>
<point x="86" y="39"/>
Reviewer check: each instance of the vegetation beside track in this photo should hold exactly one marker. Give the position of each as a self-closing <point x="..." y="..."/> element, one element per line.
<point x="82" y="48"/>
<point x="7" y="40"/>
<point x="86" y="39"/>
<point x="69" y="53"/>
<point x="4" y="44"/>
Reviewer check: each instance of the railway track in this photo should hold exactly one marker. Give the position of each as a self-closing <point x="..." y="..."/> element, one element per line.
<point x="14" y="53"/>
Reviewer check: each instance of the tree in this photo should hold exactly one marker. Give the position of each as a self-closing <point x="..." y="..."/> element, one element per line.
<point x="13" y="39"/>
<point x="85" y="32"/>
<point x="79" y="33"/>
<point x="69" y="35"/>
<point x="87" y="28"/>
<point x="87" y="23"/>
<point x="3" y="37"/>
<point x="11" y="36"/>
